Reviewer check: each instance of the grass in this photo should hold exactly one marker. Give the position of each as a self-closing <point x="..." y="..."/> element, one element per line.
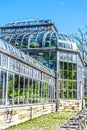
<point x="50" y="121"/>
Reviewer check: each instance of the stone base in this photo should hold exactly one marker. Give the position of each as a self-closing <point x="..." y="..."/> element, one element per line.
<point x="10" y="116"/>
<point x="13" y="115"/>
<point x="70" y="105"/>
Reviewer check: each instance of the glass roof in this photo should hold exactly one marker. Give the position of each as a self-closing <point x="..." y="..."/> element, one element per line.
<point x="40" y="39"/>
<point x="12" y="50"/>
<point x="27" y="22"/>
<point x="66" y="42"/>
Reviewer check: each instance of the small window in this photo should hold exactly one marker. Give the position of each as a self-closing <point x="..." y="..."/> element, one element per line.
<point x="4" y="61"/>
<point x="17" y="67"/>
<point x="11" y="64"/>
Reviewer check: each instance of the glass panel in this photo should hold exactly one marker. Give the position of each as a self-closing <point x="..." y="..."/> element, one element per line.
<point x="65" y="74"/>
<point x="30" y="90"/>
<point x="17" y="67"/>
<point x="65" y="65"/>
<point x="70" y="57"/>
<point x="70" y="94"/>
<point x="26" y="70"/>
<point x="26" y="91"/>
<point x="53" y="41"/>
<point x="16" y="88"/>
<point x="64" y="95"/>
<point x="69" y="84"/>
<point x="4" y="61"/>
<point x="61" y="57"/>
<point x="12" y="40"/>
<point x="65" y="84"/>
<point x="65" y="56"/>
<point x="25" y="41"/>
<point x="3" y="87"/>
<point x="40" y="92"/>
<point x="21" y="94"/>
<point x="60" y="84"/>
<point x="46" y="56"/>
<point x="53" y="93"/>
<point x="61" y="44"/>
<point x="53" y="56"/>
<point x="40" y="39"/>
<point x="69" y="74"/>
<point x="74" y="58"/>
<point x="18" y="42"/>
<point x="74" y="94"/>
<point x="52" y="65"/>
<point x="61" y="94"/>
<point x="10" y="89"/>
<point x="37" y="90"/>
<point x="74" y="75"/>
<point x="22" y="68"/>
<point x="61" y="74"/>
<point x="74" y="67"/>
<point x="11" y="64"/>
<point x="70" y="66"/>
<point x="61" y="65"/>
<point x="0" y="59"/>
<point x="34" y="94"/>
<point x="74" y="85"/>
<point x="43" y="92"/>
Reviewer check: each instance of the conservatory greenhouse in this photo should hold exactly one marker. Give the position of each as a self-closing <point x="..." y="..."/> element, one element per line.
<point x="41" y="71"/>
<point x="41" y="40"/>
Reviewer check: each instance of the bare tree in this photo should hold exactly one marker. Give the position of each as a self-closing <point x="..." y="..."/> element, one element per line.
<point x="81" y="39"/>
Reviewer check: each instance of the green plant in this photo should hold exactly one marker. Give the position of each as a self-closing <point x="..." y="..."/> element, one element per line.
<point x="33" y="44"/>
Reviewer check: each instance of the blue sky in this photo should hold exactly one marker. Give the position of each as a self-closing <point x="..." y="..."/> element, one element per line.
<point x="68" y="15"/>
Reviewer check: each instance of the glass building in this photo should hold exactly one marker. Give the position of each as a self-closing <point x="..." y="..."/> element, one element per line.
<point x="41" y="40"/>
<point x="23" y="80"/>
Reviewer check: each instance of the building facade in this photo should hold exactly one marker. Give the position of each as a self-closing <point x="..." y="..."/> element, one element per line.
<point x="41" y="40"/>
<point x="23" y="80"/>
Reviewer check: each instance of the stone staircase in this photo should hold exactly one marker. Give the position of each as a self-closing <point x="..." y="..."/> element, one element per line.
<point x="78" y="122"/>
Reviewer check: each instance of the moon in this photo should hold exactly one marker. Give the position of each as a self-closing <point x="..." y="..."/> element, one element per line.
<point x="62" y="3"/>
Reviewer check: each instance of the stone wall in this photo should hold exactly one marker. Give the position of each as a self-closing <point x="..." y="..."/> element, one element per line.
<point x="10" y="116"/>
<point x="70" y="105"/>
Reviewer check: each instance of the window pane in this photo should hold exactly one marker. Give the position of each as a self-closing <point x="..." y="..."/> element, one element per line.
<point x="37" y="90"/>
<point x="74" y="75"/>
<point x="30" y="90"/>
<point x="69" y="93"/>
<point x="69" y="84"/>
<point x="16" y="88"/>
<point x="4" y="61"/>
<point x="61" y="75"/>
<point x="26" y="91"/>
<point x="74" y="67"/>
<point x="17" y="66"/>
<point x="53" y="56"/>
<point x="10" y="89"/>
<point x="21" y="94"/>
<point x="11" y="64"/>
<point x="61" y="65"/>
<point x="65" y="94"/>
<point x="74" y="94"/>
<point x="33" y="93"/>
<point x="70" y="66"/>
<point x="61" y="94"/>
<point x="74" y="85"/>
<point x="65" y="74"/>
<point x="3" y="87"/>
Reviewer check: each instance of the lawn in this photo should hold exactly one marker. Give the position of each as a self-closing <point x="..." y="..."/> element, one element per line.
<point x="51" y="121"/>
